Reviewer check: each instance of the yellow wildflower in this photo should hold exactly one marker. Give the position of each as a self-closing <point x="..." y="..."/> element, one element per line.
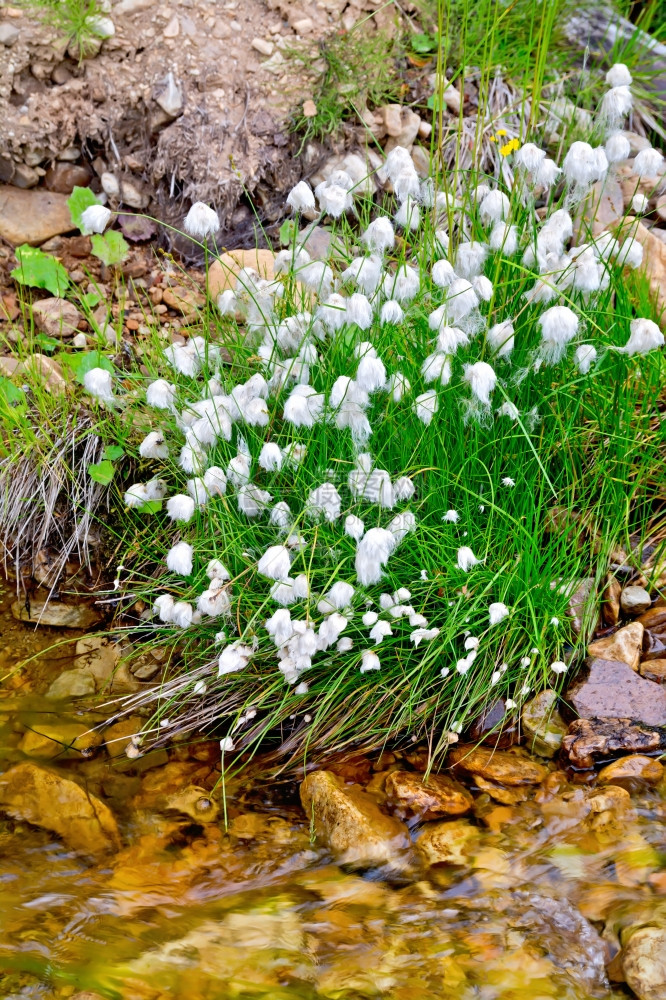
<point x="501" y="131"/>
<point x="510" y="147"/>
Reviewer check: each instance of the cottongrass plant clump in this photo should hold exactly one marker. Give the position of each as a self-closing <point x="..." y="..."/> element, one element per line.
<point x="357" y="523"/>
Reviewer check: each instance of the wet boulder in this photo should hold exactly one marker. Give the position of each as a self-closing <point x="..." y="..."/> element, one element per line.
<point x="612" y="690"/>
<point x="450" y="842"/>
<point x="543" y="725"/>
<point x="49" y="800"/>
<point x="644" y="962"/>
<point x="349" y="822"/>
<point x="411" y="795"/>
<point x="632" y="772"/>
<point x="499" y="766"/>
<point x="592" y="740"/>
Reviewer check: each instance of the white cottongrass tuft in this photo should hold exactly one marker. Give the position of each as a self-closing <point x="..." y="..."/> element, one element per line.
<point x="559" y="325"/>
<point x="497" y="612"/>
<point x="380" y="235"/>
<point x="451" y="516"/>
<point x="482" y="381"/>
<point x="179" y="558"/>
<point x="585" y="357"/>
<point x="94" y="219"/>
<point x="558" y="667"/>
<point x="201" y="221"/>
<point x="391" y="312"/>
<point x="617" y="147"/>
<point x="369" y="661"/>
<point x="301" y="198"/>
<point x="426" y="406"/>
<point x="154" y="446"/>
<point x="99" y="383"/>
<point x="583" y="164"/>
<point x="161" y="394"/>
<point x="466" y="559"/>
<point x="501" y="338"/>
<point x="644" y="336"/>
<point x="648" y="163"/>
<point x="180" y="508"/>
<point x="619" y="76"/>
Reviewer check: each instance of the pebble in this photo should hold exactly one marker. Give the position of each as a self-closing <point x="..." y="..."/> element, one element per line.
<point x="261" y="45"/>
<point x="625" y="645"/>
<point x="304" y="26"/>
<point x="309" y="108"/>
<point x="72" y="684"/>
<point x="9" y="33"/>
<point x="612" y="690"/>
<point x="60" y="739"/>
<point x="653" y="670"/>
<point x="56" y="613"/>
<point x="25" y="176"/>
<point x="635" y="600"/>
<point x="133" y="195"/>
<point x="172" y="30"/>
<point x="447" y="842"/>
<point x="392" y="115"/>
<point x="56" y="317"/>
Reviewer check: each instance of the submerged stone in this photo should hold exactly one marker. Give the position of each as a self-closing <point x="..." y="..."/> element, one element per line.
<point x="350" y="822"/>
<point x="410" y="795"/>
<point x="500" y="766"/>
<point x="48" y="740"/>
<point x="47" y="799"/>
<point x="632" y="772"/>
<point x="56" y="613"/>
<point x="448" y="842"/>
<point x="644" y="962"/>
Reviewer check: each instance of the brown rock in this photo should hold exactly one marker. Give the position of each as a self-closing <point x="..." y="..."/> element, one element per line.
<point x="590" y="740"/>
<point x="654" y="644"/>
<point x="56" y="613"/>
<point x="655" y="618"/>
<point x="614" y="691"/>
<point x="48" y="740"/>
<point x="184" y="300"/>
<point x="632" y="772"/>
<point x="32" y="216"/>
<point x="654" y="259"/>
<point x="448" y="842"/>
<point x="47" y="799"/>
<point x="224" y="271"/>
<point x="349" y="822"/>
<point x="644" y="962"/>
<point x="505" y="795"/>
<point x="611" y="602"/>
<point x="64" y="177"/>
<point x="410" y="795"/>
<point x="56" y="317"/>
<point x="309" y="108"/>
<point x="500" y="766"/>
<point x="119" y="735"/>
<point x="543" y="725"/>
<point x="39" y="365"/>
<point x="653" y="670"/>
<point x="392" y="115"/>
<point x="624" y="646"/>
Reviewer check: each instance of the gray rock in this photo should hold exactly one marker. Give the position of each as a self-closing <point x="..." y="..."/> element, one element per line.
<point x="133" y="195"/>
<point x="581" y="602"/>
<point x="25" y="176"/>
<point x="170" y="97"/>
<point x="8" y="33"/>
<point x="56" y="317"/>
<point x="72" y="684"/>
<point x="635" y="600"/>
<point x="132" y="6"/>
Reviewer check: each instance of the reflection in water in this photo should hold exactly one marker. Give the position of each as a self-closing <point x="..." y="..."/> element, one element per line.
<point x="541" y="897"/>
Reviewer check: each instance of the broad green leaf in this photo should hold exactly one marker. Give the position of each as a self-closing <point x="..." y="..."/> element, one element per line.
<point x="79" y="200"/>
<point x="11" y="393"/>
<point x="151" y="507"/>
<point x="287" y="232"/>
<point x="113" y="452"/>
<point x="91" y="299"/>
<point x="46" y="343"/>
<point x="39" y="270"/>
<point x="423" y="43"/>
<point x="84" y="361"/>
<point x="112" y="248"/>
<point x="102" y="472"/>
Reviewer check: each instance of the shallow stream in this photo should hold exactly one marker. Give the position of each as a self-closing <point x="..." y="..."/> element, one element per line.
<point x="207" y="899"/>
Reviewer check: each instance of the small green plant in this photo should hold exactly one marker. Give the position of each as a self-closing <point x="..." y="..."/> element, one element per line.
<point x="80" y="23"/>
<point x="36" y="269"/>
<point x="361" y="69"/>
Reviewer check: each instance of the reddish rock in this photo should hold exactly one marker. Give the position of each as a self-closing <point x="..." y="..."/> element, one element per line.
<point x="56" y="317"/>
<point x="612" y="690"/>
<point x="64" y="177"/>
<point x="410" y="795"/>
<point x="632" y="772"/>
<point x="590" y="740"/>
